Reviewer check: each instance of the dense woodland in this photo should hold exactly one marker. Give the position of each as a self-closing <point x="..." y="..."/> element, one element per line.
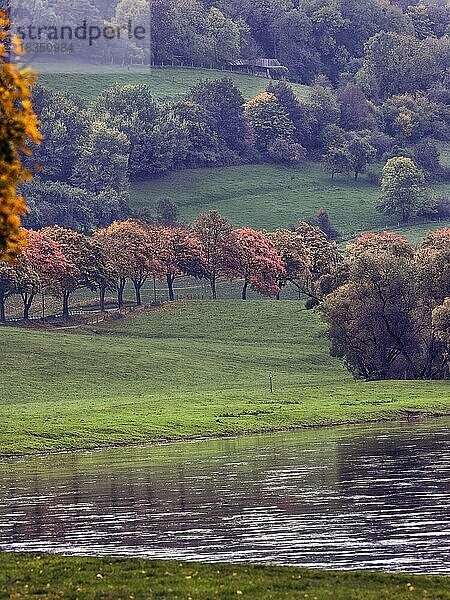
<point x="309" y="37"/>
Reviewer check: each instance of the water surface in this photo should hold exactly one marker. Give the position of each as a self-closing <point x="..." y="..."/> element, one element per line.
<point x="366" y="497"/>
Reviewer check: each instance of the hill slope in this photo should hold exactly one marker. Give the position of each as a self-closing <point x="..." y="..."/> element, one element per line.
<point x="88" y="81"/>
<point x="270" y="196"/>
<point x="200" y="368"/>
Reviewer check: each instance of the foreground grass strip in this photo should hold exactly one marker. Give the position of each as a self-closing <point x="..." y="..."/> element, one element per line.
<point x="189" y="370"/>
<point x="68" y="577"/>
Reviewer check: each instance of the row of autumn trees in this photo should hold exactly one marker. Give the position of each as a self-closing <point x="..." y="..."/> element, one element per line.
<point x="60" y="261"/>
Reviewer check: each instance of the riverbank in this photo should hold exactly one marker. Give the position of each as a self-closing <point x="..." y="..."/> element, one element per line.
<point x="188" y="371"/>
<point x="49" y="577"/>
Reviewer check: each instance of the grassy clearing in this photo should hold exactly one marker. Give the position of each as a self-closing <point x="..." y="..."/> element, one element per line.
<point x="88" y="81"/>
<point x="266" y="196"/>
<point x="193" y="369"/>
<point x="269" y="196"/>
<point x="48" y="577"/>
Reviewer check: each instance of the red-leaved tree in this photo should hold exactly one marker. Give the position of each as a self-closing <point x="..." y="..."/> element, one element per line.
<point x="183" y="257"/>
<point x="257" y="262"/>
<point x="40" y="267"/>
<point x="80" y="259"/>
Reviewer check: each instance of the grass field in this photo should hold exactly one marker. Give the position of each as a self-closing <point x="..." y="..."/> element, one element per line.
<point x="193" y="369"/>
<point x="88" y="81"/>
<point x="271" y="196"/>
<point x="46" y="577"/>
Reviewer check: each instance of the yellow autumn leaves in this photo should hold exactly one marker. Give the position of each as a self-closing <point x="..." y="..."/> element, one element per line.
<point x="18" y="127"/>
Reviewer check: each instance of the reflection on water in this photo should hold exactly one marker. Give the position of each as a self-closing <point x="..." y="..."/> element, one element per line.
<point x="361" y="497"/>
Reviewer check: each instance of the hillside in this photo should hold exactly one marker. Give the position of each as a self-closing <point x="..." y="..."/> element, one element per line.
<point x="187" y="370"/>
<point x="270" y="196"/>
<point x="88" y="81"/>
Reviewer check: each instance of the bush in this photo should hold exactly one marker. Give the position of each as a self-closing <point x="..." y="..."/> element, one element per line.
<point x="374" y="176"/>
<point x="443" y="208"/>
<point x="322" y="220"/>
<point x="382" y="143"/>
<point x="167" y="212"/>
<point x="283" y="151"/>
<point x="426" y="155"/>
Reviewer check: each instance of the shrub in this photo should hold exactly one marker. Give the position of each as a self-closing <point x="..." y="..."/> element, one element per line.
<point x="287" y="152"/>
<point x="443" y="207"/>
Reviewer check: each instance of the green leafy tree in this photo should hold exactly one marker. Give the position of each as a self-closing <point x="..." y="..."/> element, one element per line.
<point x="426" y="156"/>
<point x="157" y="137"/>
<point x="65" y="121"/>
<point x="223" y="102"/>
<point x="357" y="113"/>
<point x="338" y="160"/>
<point x="268" y="120"/>
<point x="403" y="187"/>
<point x="395" y="64"/>
<point x="224" y="36"/>
<point x="203" y="146"/>
<point x="362" y="153"/>
<point x="103" y="161"/>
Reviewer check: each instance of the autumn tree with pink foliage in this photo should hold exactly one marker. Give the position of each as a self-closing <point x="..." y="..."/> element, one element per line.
<point x="257" y="262"/>
<point x="184" y="255"/>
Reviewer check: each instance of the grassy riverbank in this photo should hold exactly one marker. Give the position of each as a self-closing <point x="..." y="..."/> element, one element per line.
<point x="188" y="370"/>
<point x="68" y="577"/>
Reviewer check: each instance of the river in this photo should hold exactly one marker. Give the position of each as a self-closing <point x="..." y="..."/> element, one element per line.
<point x="363" y="497"/>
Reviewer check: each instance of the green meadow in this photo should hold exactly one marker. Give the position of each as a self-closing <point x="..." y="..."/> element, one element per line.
<point x="184" y="371"/>
<point x="50" y="577"/>
<point x="270" y="196"/>
<point x="88" y="81"/>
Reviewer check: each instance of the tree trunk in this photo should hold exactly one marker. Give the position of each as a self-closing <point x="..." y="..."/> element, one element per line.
<point x="27" y="300"/>
<point x="66" y="296"/>
<point x="170" y="280"/>
<point x="120" y="291"/>
<point x="2" y="308"/>
<point x="102" y="298"/>
<point x="213" y="287"/>
<point x="244" y="291"/>
<point x="279" y="295"/>
<point x="137" y="289"/>
<point x="356" y="175"/>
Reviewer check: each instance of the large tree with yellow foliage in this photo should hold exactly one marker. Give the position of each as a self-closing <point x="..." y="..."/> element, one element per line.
<point x="18" y="127"/>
